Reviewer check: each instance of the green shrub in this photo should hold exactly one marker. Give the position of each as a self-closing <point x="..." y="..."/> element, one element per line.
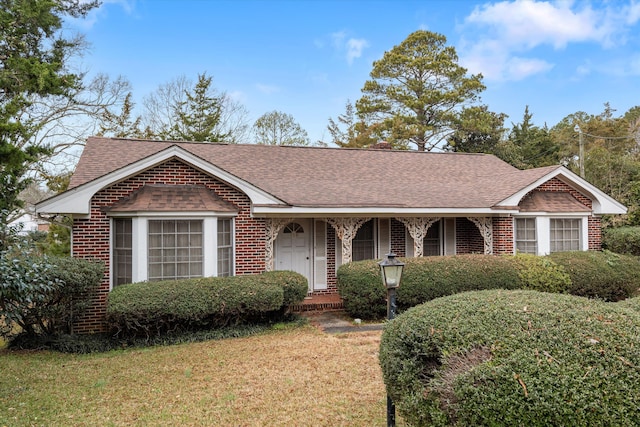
<point x="44" y="295"/>
<point x="364" y="296"/>
<point x="361" y="289"/>
<point x="541" y="274"/>
<point x="432" y="277"/>
<point x="294" y="285"/>
<point x="156" y="308"/>
<point x="622" y="240"/>
<point x="514" y="358"/>
<point x="603" y="275"/>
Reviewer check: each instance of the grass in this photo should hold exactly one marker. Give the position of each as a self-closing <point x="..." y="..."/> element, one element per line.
<point x="288" y="377"/>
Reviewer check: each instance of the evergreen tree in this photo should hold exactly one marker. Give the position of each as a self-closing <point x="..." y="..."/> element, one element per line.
<point x="34" y="59"/>
<point x="417" y="91"/>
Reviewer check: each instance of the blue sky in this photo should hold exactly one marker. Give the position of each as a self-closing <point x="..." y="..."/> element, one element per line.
<point x="308" y="57"/>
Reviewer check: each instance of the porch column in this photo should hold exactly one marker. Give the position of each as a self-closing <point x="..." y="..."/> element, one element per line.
<point x="273" y="227"/>
<point x="346" y="229"/>
<point x="418" y="228"/>
<point x="485" y="225"/>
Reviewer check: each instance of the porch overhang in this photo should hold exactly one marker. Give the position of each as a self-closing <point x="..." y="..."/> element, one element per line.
<point x="270" y="211"/>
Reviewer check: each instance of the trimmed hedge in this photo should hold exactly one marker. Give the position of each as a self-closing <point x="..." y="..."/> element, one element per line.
<point x="156" y="308"/>
<point x="361" y="289"/>
<point x="622" y="240"/>
<point x="604" y="275"/>
<point x="364" y="296"/>
<point x="514" y="358"/>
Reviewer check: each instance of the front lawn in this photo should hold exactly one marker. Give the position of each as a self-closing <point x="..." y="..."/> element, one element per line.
<point x="293" y="377"/>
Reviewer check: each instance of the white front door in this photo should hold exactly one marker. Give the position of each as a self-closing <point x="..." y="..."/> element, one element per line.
<point x="293" y="249"/>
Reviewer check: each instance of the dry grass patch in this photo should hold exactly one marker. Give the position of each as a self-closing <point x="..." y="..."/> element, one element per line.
<point x="298" y="377"/>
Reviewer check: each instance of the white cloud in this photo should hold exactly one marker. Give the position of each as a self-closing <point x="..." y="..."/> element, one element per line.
<point x="633" y="14"/>
<point x="351" y="47"/>
<point x="355" y="48"/>
<point x="503" y="33"/>
<point x="496" y="63"/>
<point x="96" y="14"/>
<point x="527" y="23"/>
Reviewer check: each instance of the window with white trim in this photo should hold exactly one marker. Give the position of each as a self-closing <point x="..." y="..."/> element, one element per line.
<point x="175" y="249"/>
<point x="225" y="247"/>
<point x="526" y="241"/>
<point x="122" y="251"/>
<point x="565" y="234"/>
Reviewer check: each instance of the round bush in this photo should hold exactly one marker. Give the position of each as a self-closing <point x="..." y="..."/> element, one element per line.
<point x="361" y="289"/>
<point x="514" y="358"/>
<point x="604" y="275"/>
<point x="294" y="285"/>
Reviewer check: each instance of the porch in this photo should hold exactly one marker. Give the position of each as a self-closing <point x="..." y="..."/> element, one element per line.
<point x="322" y="302"/>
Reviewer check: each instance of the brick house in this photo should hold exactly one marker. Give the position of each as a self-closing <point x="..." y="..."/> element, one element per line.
<point x="154" y="210"/>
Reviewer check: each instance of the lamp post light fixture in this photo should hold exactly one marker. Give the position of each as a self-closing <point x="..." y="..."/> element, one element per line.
<point x="391" y="270"/>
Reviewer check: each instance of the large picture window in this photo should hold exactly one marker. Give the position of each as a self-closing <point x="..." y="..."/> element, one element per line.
<point x="175" y="249"/>
<point x="565" y="234"/>
<point x="526" y="241"/>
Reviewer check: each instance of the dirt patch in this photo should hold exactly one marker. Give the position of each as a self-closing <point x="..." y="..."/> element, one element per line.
<point x="452" y="368"/>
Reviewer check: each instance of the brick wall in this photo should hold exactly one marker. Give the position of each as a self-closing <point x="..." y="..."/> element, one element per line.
<point x="91" y="236"/>
<point x="554" y="184"/>
<point x="398" y="238"/>
<point x="503" y="236"/>
<point x="468" y="238"/>
<point x="595" y="233"/>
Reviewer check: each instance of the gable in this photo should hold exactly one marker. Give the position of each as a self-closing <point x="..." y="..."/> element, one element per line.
<point x="561" y="179"/>
<point x="77" y="200"/>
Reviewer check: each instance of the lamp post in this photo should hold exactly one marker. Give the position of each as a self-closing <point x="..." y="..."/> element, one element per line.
<point x="391" y="270"/>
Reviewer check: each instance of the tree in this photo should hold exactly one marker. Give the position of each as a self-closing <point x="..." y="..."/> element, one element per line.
<point x="529" y="146"/>
<point x="356" y="133"/>
<point x="478" y="131"/>
<point x="122" y="125"/>
<point x="416" y="92"/>
<point x="180" y="110"/>
<point x="278" y="128"/>
<point x="611" y="158"/>
<point x="34" y="58"/>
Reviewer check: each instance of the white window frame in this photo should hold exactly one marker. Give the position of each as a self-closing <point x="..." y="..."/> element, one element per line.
<point x="543" y="230"/>
<point x="515" y="233"/>
<point x="232" y="230"/>
<point x="140" y="248"/>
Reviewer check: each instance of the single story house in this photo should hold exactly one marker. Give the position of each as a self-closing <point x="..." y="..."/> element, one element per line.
<point x="157" y="210"/>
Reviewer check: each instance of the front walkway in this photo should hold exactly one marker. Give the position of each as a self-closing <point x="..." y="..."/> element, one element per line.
<point x="337" y="322"/>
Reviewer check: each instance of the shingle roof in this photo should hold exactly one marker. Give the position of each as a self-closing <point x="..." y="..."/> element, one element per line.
<point x="551" y="201"/>
<point x="172" y="198"/>
<point x="332" y="177"/>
